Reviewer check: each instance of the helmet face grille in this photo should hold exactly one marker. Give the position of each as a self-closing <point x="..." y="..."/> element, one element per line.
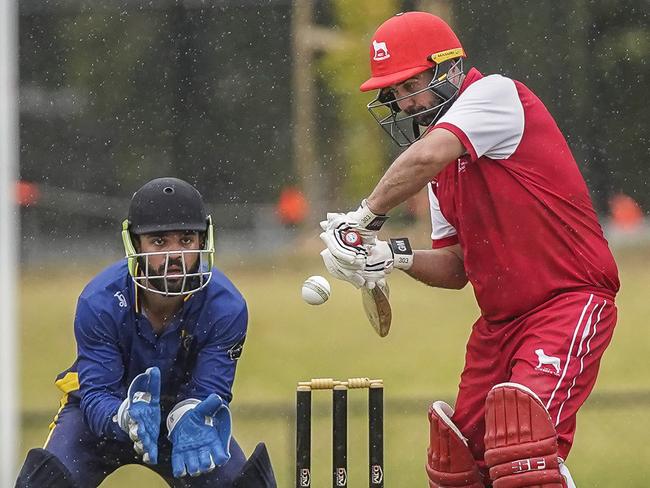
<point x="403" y="128"/>
<point x="173" y="277"/>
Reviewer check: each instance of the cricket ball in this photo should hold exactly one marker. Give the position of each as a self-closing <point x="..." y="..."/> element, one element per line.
<point x="316" y="290"/>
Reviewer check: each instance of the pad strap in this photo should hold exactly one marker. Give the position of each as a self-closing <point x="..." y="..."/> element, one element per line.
<point x="520" y="439"/>
<point x="449" y="461"/>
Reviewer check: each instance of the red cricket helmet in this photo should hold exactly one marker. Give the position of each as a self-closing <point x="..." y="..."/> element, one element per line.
<point x="407" y="44"/>
<point x="404" y="46"/>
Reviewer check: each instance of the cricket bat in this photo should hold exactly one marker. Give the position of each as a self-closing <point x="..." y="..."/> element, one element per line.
<point x="375" y="301"/>
<point x="377" y="307"/>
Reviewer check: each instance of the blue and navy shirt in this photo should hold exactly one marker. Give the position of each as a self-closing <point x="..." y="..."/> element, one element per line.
<point x="196" y="353"/>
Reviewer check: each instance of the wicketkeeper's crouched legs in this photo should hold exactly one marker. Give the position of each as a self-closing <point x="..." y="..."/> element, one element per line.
<point x="89" y="459"/>
<point x="258" y="471"/>
<point x="42" y="468"/>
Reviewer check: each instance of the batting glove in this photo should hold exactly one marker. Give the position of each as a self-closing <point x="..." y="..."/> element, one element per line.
<point x="200" y="433"/>
<point x="343" y="245"/>
<point x="139" y="414"/>
<point x="383" y="257"/>
<point x="365" y="218"/>
<point x="380" y="260"/>
<point x="341" y="272"/>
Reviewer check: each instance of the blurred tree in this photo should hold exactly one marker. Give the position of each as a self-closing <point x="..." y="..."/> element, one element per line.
<point x="115" y="94"/>
<point x="585" y="60"/>
<point x="342" y="71"/>
<point x="620" y="42"/>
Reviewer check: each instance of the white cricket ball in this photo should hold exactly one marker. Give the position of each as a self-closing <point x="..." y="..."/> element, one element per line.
<point x="315" y="290"/>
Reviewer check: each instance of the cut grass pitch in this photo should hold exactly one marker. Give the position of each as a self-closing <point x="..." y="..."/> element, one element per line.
<point x="420" y="359"/>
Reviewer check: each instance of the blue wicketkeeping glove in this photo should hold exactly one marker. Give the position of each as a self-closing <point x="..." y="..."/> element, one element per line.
<point x="200" y="434"/>
<point x="139" y="414"/>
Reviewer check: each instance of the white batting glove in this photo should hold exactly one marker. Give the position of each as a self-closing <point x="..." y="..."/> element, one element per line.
<point x="340" y="272"/>
<point x="380" y="261"/>
<point x="383" y="257"/>
<point x="336" y="227"/>
<point x="345" y="246"/>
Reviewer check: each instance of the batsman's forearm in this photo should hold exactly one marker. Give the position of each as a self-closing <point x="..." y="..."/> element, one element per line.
<point x="414" y="169"/>
<point x="408" y="174"/>
<point x="442" y="268"/>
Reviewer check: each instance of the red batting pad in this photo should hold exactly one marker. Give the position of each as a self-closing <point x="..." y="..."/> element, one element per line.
<point x="449" y="461"/>
<point x="520" y="439"/>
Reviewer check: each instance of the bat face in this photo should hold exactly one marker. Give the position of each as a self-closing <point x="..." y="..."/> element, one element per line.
<point x="377" y="307"/>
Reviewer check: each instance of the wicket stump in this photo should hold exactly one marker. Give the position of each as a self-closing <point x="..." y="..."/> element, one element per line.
<point x="339" y="429"/>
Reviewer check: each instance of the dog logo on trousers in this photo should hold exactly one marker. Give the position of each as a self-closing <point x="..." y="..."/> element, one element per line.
<point x="545" y="361"/>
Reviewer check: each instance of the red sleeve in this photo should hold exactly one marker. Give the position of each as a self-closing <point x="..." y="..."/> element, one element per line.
<point x="461" y="136"/>
<point x="444" y="242"/>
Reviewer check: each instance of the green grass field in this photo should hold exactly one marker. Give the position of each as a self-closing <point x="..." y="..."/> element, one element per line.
<point x="419" y="361"/>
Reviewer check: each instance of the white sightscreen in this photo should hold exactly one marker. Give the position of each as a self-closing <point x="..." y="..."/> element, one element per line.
<point x="9" y="233"/>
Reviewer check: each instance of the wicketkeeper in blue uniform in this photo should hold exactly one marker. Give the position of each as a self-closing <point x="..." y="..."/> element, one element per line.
<point x="158" y="339"/>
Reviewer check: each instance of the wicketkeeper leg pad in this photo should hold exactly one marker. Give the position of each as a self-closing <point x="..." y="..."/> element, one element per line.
<point x="42" y="468"/>
<point x="257" y="472"/>
<point x="449" y="461"/>
<point x="520" y="439"/>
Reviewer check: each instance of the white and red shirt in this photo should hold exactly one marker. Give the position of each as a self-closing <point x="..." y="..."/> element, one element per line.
<point x="516" y="202"/>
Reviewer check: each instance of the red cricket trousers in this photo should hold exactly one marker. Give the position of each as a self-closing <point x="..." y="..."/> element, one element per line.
<point x="554" y="350"/>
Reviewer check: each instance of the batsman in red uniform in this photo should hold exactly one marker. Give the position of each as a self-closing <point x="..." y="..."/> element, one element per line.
<point x="512" y="215"/>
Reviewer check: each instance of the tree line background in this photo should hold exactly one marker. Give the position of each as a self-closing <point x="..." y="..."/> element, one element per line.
<point x="115" y="93"/>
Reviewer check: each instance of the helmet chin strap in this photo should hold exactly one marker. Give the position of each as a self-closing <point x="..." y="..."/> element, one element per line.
<point x="416" y="130"/>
